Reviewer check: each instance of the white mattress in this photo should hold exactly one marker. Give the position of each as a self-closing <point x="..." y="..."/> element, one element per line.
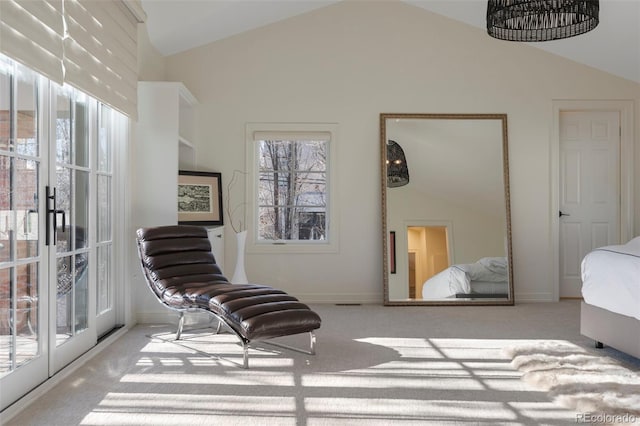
<point x="611" y="278"/>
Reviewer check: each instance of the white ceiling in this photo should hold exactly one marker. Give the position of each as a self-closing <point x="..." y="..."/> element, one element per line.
<point x="178" y="25"/>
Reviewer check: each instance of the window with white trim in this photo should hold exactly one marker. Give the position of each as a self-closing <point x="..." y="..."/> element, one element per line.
<point x="290" y="174"/>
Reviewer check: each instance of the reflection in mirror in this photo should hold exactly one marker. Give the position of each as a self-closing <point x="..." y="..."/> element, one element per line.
<point x="428" y="251"/>
<point x="450" y="222"/>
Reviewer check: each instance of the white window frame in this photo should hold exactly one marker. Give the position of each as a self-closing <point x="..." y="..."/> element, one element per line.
<point x="253" y="245"/>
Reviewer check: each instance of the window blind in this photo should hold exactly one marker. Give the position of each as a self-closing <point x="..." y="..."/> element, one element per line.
<point x="31" y="33"/>
<point x="101" y="53"/>
<point x="98" y="54"/>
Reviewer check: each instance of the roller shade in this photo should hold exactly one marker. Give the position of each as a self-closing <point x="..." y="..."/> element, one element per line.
<point x="101" y="53"/>
<point x="31" y="33"/>
<point x="98" y="54"/>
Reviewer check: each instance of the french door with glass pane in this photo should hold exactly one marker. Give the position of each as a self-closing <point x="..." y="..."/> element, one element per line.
<point x="56" y="191"/>
<point x="69" y="226"/>
<point x="23" y="257"/>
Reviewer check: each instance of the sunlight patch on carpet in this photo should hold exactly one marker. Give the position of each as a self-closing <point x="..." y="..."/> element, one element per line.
<point x="577" y="378"/>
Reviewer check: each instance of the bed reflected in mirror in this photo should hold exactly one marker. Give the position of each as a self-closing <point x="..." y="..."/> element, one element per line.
<point x="445" y="205"/>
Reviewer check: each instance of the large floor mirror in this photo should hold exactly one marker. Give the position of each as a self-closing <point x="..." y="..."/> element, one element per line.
<point x="445" y="209"/>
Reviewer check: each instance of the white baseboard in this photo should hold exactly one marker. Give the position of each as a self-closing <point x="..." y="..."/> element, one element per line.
<point x="168" y="317"/>
<point x="375" y="298"/>
<point x="361" y="298"/>
<point x="534" y="297"/>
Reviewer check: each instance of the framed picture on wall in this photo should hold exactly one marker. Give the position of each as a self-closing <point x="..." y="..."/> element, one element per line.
<point x="199" y="198"/>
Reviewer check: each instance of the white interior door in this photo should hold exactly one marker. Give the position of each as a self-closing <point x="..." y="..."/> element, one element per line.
<point x="589" y="190"/>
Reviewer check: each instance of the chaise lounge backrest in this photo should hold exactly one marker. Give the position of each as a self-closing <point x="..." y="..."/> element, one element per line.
<point x="175" y="257"/>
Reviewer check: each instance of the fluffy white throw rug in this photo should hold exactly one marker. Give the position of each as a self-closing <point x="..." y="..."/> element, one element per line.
<point x="580" y="380"/>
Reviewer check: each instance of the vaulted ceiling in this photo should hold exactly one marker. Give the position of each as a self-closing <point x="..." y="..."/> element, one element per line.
<point x="178" y="25"/>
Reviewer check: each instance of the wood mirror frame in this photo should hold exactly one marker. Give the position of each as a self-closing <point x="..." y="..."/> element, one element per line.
<point x="449" y="202"/>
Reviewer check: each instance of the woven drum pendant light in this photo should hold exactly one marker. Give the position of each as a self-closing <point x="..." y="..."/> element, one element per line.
<point x="397" y="170"/>
<point x="541" y="20"/>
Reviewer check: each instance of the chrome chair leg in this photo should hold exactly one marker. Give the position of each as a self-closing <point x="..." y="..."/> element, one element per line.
<point x="245" y="343"/>
<point x="180" y="325"/>
<point x="245" y="355"/>
<point x="312" y="343"/>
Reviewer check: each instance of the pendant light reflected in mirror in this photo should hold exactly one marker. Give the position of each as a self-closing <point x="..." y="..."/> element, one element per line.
<point x="397" y="170"/>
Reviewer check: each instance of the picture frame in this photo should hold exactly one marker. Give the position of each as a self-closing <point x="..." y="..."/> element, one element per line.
<point x="199" y="198"/>
<point x="392" y="252"/>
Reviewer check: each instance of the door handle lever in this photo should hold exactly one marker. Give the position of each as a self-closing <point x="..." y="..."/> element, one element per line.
<point x="560" y="214"/>
<point x="64" y="219"/>
<point x="49" y="210"/>
<point x="52" y="215"/>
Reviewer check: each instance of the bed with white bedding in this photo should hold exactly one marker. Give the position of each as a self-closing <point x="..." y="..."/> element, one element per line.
<point x="485" y="278"/>
<point x="610" y="313"/>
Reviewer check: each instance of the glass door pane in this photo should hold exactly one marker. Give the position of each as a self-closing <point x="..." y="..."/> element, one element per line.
<point x="19" y="248"/>
<point x="72" y="322"/>
<point x="106" y="314"/>
<point x="22" y="308"/>
<point x="72" y="214"/>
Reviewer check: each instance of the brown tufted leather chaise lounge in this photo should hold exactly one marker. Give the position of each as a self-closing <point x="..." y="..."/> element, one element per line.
<point x="181" y="271"/>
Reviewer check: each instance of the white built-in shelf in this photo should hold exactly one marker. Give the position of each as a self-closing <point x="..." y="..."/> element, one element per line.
<point x="166" y="142"/>
<point x="186" y="97"/>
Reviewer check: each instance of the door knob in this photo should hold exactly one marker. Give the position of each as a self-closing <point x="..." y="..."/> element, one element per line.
<point x="560" y="214"/>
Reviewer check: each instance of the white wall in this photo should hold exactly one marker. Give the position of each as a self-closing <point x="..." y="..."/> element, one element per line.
<point x="151" y="64"/>
<point x="349" y="62"/>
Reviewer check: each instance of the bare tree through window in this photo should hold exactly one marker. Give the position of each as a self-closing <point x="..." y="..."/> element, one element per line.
<point x="292" y="190"/>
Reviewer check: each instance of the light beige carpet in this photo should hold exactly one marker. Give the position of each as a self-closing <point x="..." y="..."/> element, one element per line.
<point x="374" y="365"/>
<point x="581" y="380"/>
